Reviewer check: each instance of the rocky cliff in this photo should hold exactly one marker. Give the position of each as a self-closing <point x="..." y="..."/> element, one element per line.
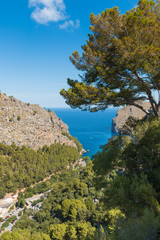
<point x="129" y="111"/>
<point x="30" y="125"/>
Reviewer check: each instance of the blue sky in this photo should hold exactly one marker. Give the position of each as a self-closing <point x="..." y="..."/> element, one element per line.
<point x="36" y="39"/>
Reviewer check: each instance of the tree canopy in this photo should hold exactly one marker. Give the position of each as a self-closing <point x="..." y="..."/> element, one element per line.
<point x="120" y="61"/>
<point x="114" y="197"/>
<point x="21" y="166"/>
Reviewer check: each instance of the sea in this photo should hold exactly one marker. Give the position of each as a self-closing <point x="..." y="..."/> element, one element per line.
<point x="92" y="129"/>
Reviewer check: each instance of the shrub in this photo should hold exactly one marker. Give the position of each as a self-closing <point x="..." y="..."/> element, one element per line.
<point x="11" y="208"/>
<point x="18" y="118"/>
<point x="34" y="112"/>
<point x="20" y="213"/>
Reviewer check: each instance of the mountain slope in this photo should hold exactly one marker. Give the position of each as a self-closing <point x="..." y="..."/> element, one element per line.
<point x="30" y="125"/>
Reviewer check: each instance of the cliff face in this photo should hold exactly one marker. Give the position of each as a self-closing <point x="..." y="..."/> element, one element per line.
<point x="30" y="125"/>
<point x="129" y="111"/>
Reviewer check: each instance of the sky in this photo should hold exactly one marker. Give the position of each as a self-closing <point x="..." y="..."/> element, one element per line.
<point x="36" y="39"/>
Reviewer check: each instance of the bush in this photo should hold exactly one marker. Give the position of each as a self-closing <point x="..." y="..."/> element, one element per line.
<point x="34" y="112"/>
<point x="20" y="213"/>
<point x="18" y="118"/>
<point x="145" y="227"/>
<point x="11" y="208"/>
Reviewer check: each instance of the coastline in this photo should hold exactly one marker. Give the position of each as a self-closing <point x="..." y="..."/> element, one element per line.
<point x="91" y="129"/>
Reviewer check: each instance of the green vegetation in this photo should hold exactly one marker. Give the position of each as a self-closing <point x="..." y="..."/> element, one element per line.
<point x="79" y="146"/>
<point x="24" y="235"/>
<point x="18" y="118"/>
<point x="128" y="170"/>
<point x="21" y="167"/>
<point x="11" y="119"/>
<point x="34" y="112"/>
<point x="20" y="213"/>
<point x="120" y="61"/>
<point x="11" y="208"/>
<point x="120" y="64"/>
<point x="115" y="197"/>
<point x="69" y="212"/>
<point x="40" y="187"/>
<point x="11" y="97"/>
<point x="38" y="201"/>
<point x="21" y="200"/>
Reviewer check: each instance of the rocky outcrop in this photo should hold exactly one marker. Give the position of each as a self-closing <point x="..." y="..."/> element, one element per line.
<point x="30" y="125"/>
<point x="129" y="111"/>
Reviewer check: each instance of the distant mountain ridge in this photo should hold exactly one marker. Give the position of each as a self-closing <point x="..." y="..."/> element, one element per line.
<point x="30" y="125"/>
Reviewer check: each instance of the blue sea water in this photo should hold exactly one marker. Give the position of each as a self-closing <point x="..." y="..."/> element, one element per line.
<point x="91" y="129"/>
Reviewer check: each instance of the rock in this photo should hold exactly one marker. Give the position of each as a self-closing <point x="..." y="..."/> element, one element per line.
<point x="30" y="125"/>
<point x="129" y="111"/>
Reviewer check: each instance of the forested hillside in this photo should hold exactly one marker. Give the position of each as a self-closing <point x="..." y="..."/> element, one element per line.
<point x="21" y="166"/>
<point x="115" y="197"/>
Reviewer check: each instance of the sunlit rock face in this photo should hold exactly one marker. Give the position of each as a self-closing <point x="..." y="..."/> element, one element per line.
<point x="30" y="125"/>
<point x="129" y="111"/>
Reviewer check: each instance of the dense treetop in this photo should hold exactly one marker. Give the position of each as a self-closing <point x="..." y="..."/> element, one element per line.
<point x="21" y="166"/>
<point x="120" y="62"/>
